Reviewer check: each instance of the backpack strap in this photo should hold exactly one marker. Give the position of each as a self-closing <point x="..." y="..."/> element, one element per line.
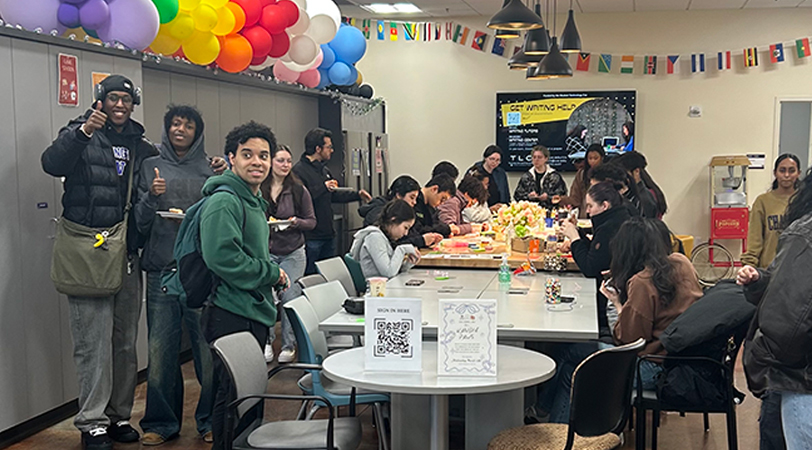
<point x="224" y="188"/>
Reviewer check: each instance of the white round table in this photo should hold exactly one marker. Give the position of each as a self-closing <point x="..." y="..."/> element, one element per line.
<point x="492" y="403"/>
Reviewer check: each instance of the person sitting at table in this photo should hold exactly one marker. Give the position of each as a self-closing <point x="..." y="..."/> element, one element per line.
<point x="373" y="247"/>
<point x="445" y="168"/>
<point x="469" y="190"/>
<point x="498" y="189"/>
<point x="594" y="158"/>
<point x="403" y="188"/>
<point x="478" y="212"/>
<point x="541" y="182"/>
<point x="638" y="203"/>
<point x="635" y="164"/>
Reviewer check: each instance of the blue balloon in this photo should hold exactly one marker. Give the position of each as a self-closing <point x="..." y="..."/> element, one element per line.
<point x="329" y="57"/>
<point x="349" y="45"/>
<point x="341" y="74"/>
<point x="325" y="79"/>
<point x="354" y="74"/>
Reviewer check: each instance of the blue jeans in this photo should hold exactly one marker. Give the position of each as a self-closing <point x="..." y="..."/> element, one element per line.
<point x="294" y="265"/>
<point x="164" y="408"/>
<point x="318" y="249"/>
<point x="796" y="409"/>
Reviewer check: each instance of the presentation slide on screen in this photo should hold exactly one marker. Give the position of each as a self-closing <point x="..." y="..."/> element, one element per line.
<point x="527" y="119"/>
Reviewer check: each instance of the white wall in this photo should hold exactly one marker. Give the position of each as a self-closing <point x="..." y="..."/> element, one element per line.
<point x="441" y="96"/>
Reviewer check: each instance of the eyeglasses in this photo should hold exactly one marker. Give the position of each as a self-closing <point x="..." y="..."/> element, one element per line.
<point x="114" y="98"/>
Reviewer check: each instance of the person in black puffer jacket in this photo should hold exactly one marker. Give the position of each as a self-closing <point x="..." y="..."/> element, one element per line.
<point x="95" y="154"/>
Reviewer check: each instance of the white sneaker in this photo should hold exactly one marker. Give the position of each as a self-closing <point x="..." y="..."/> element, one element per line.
<point x="268" y="353"/>
<point x="287" y="355"/>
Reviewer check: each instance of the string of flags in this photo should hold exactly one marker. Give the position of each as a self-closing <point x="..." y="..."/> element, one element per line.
<point x="389" y="30"/>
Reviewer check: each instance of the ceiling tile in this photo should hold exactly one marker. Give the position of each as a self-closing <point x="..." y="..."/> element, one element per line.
<point x="661" y="5"/>
<point x="717" y="4"/>
<point x="594" y="6"/>
<point x="771" y="4"/>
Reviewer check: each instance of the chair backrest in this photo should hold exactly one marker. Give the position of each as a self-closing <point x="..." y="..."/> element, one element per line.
<point x="356" y="273"/>
<point x="305" y="323"/>
<point x="311" y="280"/>
<point x="334" y="269"/>
<point x="242" y="356"/>
<point x="326" y="298"/>
<point x="601" y="390"/>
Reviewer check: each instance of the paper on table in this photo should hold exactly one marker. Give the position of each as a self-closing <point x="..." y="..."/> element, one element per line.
<point x="466" y="337"/>
<point x="393" y="332"/>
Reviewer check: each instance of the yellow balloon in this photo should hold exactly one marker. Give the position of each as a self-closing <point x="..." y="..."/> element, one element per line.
<point x="205" y="18"/>
<point x="188" y="5"/>
<point x="202" y="48"/>
<point x="182" y="26"/>
<point x="164" y="43"/>
<point x="225" y="22"/>
<point x="360" y="78"/>
<point x="216" y="4"/>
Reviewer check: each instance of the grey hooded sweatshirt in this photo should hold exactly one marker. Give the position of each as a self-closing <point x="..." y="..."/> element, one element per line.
<point x="184" y="181"/>
<point x="373" y="250"/>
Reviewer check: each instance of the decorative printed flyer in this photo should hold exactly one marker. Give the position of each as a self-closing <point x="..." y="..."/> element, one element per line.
<point x="393" y="334"/>
<point x="466" y="338"/>
<point x="68" y="80"/>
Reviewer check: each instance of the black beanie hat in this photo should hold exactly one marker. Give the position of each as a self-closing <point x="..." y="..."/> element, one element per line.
<point x="119" y="83"/>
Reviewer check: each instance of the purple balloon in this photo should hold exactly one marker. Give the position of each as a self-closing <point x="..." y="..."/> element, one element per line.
<point x="124" y="28"/>
<point x="68" y="15"/>
<point x="75" y="2"/>
<point x="32" y="14"/>
<point x="94" y="14"/>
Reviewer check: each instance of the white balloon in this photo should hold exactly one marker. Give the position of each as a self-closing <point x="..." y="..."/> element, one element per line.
<point x="303" y="49"/>
<point x="299" y="67"/>
<point x="301" y="25"/>
<point x="325" y="18"/>
<point x="302" y="3"/>
<point x="267" y="63"/>
<point x="286" y="57"/>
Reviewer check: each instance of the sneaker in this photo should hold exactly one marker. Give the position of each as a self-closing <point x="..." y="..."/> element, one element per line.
<point x="151" y="439"/>
<point x="287" y="355"/>
<point x="122" y="431"/>
<point x="96" y="439"/>
<point x="208" y="437"/>
<point x="268" y="353"/>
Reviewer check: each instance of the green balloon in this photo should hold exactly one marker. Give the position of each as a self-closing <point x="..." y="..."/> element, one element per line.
<point x="167" y="9"/>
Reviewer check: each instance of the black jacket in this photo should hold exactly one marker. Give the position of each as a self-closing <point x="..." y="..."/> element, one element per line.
<point x="425" y="221"/>
<point x="372" y="210"/>
<point x="313" y="175"/>
<point x="778" y="346"/>
<point x="94" y="191"/>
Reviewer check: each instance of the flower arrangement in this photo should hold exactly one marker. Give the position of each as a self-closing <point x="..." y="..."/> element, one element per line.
<point x="523" y="216"/>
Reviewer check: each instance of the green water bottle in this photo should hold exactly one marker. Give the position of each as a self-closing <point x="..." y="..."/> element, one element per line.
<point x="504" y="271"/>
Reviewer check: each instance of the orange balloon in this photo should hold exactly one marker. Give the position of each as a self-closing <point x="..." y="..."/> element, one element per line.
<point x="239" y="16"/>
<point x="235" y="53"/>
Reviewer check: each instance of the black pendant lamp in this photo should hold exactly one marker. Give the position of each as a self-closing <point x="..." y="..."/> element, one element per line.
<point x="507" y="34"/>
<point x="522" y="59"/>
<point x="538" y="40"/>
<point x="570" y="39"/>
<point x="554" y="65"/>
<point x="515" y="16"/>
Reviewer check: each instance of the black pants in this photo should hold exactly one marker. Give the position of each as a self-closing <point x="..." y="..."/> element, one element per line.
<point x="769" y="423"/>
<point x="217" y="322"/>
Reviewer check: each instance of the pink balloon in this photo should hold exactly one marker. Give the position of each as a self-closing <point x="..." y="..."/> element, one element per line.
<point x="282" y="73"/>
<point x="310" y="78"/>
<point x="319" y="58"/>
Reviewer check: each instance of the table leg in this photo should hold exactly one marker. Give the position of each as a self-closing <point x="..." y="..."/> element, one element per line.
<point x="411" y="426"/>
<point x="488" y="414"/>
<point x="439" y="422"/>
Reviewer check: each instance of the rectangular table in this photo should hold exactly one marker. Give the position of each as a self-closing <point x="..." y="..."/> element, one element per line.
<point x="458" y="279"/>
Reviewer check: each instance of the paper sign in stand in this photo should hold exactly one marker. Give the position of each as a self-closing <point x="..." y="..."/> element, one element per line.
<point x="393" y="334"/>
<point x="466" y="338"/>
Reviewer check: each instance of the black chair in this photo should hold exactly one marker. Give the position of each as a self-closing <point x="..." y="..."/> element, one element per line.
<point x="246" y="365"/>
<point x="599" y="407"/>
<point x="709" y="380"/>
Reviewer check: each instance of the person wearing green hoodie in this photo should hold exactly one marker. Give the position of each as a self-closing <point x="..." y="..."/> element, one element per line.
<point x="234" y="238"/>
<point x="172" y="179"/>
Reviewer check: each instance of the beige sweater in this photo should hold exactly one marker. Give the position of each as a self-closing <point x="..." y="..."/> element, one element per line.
<point x="766" y="218"/>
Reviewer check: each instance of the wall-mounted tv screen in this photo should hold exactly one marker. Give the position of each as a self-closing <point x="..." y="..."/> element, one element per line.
<point x="527" y="119"/>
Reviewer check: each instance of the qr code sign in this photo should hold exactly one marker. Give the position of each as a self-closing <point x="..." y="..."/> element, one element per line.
<point x="393" y="338"/>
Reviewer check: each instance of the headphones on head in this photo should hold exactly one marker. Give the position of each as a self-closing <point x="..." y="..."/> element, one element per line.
<point x="100" y="93"/>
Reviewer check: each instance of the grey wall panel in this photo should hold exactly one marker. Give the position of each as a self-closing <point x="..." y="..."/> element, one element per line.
<point x="282" y="125"/>
<point x="92" y="62"/>
<point x="184" y="89"/>
<point x="229" y="108"/>
<point x="372" y="121"/>
<point x="13" y="370"/>
<point x="157" y="89"/>
<point x="257" y="105"/>
<point x="301" y="115"/>
<point x="208" y="102"/>
<point x="131" y="68"/>
<point x="34" y="75"/>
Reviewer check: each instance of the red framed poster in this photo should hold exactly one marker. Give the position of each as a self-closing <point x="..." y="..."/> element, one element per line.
<point x="68" y="80"/>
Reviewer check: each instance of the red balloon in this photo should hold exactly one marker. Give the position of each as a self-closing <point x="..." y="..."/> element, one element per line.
<point x="179" y="53"/>
<point x="291" y="11"/>
<point x="273" y="19"/>
<point x="257" y="60"/>
<point x="281" y="45"/>
<point x="266" y="3"/>
<point x="252" y="9"/>
<point x="260" y="40"/>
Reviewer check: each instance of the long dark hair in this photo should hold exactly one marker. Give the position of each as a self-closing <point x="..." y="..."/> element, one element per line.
<point x="395" y="212"/>
<point x="402" y="186"/>
<point x="290" y="181"/>
<point x="605" y="192"/>
<point x="778" y="161"/>
<point x="594" y="148"/>
<point x="640" y="244"/>
<point x="800" y="204"/>
<point x="635" y="160"/>
<point x="629" y="126"/>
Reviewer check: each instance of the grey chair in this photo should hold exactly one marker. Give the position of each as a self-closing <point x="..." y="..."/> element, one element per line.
<point x="248" y="371"/>
<point x="310" y="280"/>
<point x="327" y="299"/>
<point x="334" y="269"/>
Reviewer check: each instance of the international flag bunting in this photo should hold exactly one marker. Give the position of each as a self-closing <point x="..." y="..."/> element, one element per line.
<point x="409" y="31"/>
<point x="457" y="33"/>
<point x="672" y="67"/>
<point x="367" y="24"/>
<point x="605" y="63"/>
<point x="723" y="60"/>
<point x="698" y="62"/>
<point x="627" y="64"/>
<point x="464" y="37"/>
<point x="583" y="62"/>
<point x="380" y="30"/>
<point x="393" y="31"/>
<point x="802" y="47"/>
<point x="751" y="57"/>
<point x="479" y="40"/>
<point x="449" y="28"/>
<point x="651" y="65"/>
<point x="777" y="53"/>
<point x="438" y="31"/>
<point x="427" y="31"/>
<point x="498" y="47"/>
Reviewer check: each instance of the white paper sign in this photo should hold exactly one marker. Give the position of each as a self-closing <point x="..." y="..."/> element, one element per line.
<point x="393" y="334"/>
<point x="466" y="338"/>
<point x="757" y="160"/>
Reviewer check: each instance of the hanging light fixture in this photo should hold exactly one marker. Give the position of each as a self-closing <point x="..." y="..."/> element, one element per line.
<point x="515" y="16"/>
<point x="570" y="39"/>
<point x="538" y="40"/>
<point x="522" y="60"/>
<point x="507" y="34"/>
<point x="553" y="65"/>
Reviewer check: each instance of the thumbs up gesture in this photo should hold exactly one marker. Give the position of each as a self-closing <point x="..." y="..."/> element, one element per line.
<point x="96" y="120"/>
<point x="158" y="184"/>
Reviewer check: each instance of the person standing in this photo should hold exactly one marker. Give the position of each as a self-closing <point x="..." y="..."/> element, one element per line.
<point x="628" y="136"/>
<point x="316" y="177"/>
<point x="172" y="180"/>
<point x="234" y="240"/>
<point x="98" y="154"/>
<point x="541" y="183"/>
<point x="498" y="190"/>
<point x="288" y="199"/>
